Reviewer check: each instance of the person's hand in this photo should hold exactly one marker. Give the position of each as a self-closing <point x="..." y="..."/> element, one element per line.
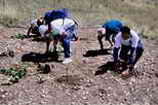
<point x="76" y="39"/>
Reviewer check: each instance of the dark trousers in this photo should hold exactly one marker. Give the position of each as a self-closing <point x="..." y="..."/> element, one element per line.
<point x="66" y="41"/>
<point x="125" y="50"/>
<point x="109" y="36"/>
<point x="35" y="31"/>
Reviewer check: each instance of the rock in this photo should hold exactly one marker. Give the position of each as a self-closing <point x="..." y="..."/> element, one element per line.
<point x="46" y="69"/>
<point x="6" y="83"/>
<point x="156" y="74"/>
<point x="76" y="88"/>
<point x="40" y="80"/>
<point x="11" y="53"/>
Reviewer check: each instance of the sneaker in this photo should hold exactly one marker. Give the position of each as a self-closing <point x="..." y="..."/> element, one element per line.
<point x="67" y="60"/>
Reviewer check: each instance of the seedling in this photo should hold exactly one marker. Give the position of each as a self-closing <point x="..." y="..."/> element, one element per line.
<point x="15" y="74"/>
<point x="19" y="36"/>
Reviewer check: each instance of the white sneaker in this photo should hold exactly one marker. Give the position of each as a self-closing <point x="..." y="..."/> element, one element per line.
<point x="67" y="60"/>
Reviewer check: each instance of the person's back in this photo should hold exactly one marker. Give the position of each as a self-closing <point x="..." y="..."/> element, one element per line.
<point x="62" y="24"/>
<point x="113" y="25"/>
<point x="56" y="14"/>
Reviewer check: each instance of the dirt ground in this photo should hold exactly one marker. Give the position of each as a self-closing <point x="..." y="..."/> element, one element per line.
<point x="77" y="83"/>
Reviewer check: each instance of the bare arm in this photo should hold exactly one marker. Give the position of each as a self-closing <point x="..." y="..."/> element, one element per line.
<point x="29" y="30"/>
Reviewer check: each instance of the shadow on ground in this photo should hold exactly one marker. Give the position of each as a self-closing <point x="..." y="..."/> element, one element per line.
<point x="93" y="53"/>
<point x="109" y="66"/>
<point x="104" y="68"/>
<point x="40" y="58"/>
<point x="73" y="80"/>
<point x="38" y="39"/>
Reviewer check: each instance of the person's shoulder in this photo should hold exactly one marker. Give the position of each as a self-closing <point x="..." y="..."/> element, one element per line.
<point x="134" y="33"/>
<point x="69" y="20"/>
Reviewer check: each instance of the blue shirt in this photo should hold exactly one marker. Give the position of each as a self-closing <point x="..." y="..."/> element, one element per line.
<point x="113" y="25"/>
<point x="56" y="14"/>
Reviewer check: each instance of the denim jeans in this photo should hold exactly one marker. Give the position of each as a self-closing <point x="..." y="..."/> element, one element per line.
<point x="66" y="41"/>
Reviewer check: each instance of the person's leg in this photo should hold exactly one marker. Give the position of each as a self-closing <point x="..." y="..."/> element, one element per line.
<point x="108" y="35"/>
<point x="124" y="57"/>
<point x="55" y="42"/>
<point x="100" y="37"/>
<point x="139" y="53"/>
<point x="111" y="44"/>
<point x="48" y="41"/>
<point x="67" y="51"/>
<point x="124" y="53"/>
<point x="66" y="45"/>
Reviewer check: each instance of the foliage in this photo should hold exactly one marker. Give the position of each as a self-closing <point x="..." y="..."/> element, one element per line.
<point x="15" y="73"/>
<point x="19" y="36"/>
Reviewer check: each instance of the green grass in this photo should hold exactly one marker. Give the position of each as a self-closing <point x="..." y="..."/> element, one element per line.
<point x="15" y="73"/>
<point x="19" y="36"/>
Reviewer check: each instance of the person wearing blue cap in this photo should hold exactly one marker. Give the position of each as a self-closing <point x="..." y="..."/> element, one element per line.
<point x="109" y="30"/>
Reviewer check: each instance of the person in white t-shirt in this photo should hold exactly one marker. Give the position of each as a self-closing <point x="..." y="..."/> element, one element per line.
<point x="63" y="30"/>
<point x="128" y="47"/>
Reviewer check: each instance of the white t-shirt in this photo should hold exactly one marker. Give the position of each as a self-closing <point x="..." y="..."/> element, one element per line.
<point x="132" y="41"/>
<point x="62" y="24"/>
<point x="43" y="29"/>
